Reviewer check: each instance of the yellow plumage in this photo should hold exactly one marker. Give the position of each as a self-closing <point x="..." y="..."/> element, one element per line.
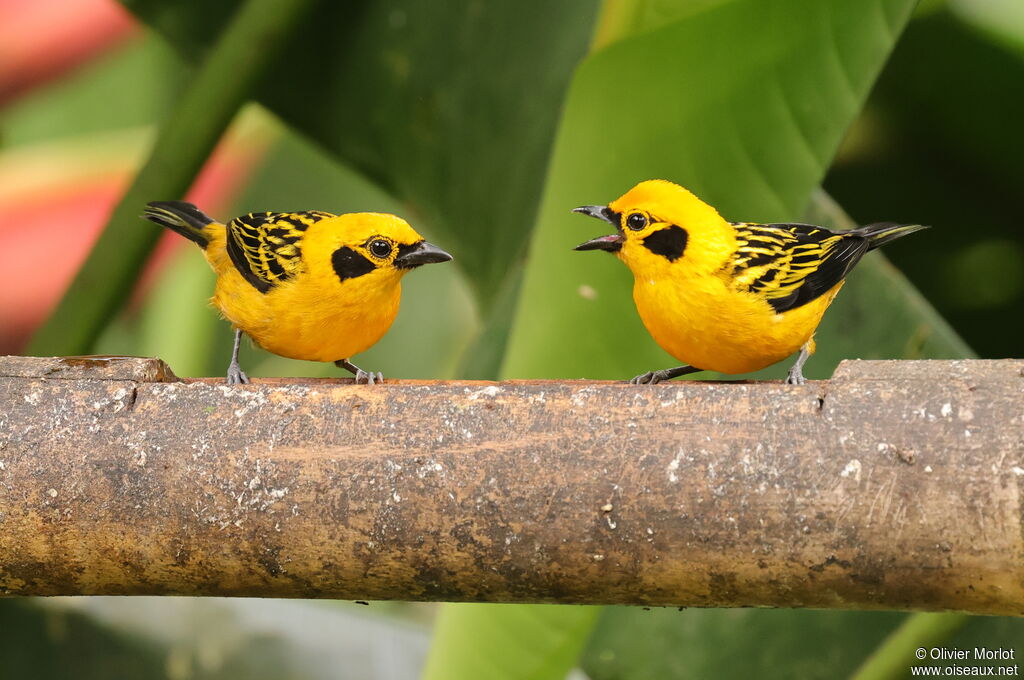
<point x="305" y="285"/>
<point x="724" y="296"/>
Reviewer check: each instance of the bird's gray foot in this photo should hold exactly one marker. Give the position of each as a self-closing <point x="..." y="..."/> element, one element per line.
<point x="655" y="377"/>
<point x="648" y="378"/>
<point x="796" y="371"/>
<point x="362" y="377"/>
<point x="236" y="376"/>
<point x="369" y="377"/>
<point x="796" y="376"/>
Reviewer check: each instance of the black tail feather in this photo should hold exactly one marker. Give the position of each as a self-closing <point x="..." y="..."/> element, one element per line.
<point x="883" y="232"/>
<point x="181" y="217"/>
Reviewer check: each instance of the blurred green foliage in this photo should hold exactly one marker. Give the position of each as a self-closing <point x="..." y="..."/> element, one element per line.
<point x="939" y="143"/>
<point x="739" y="643"/>
<point x="130" y="87"/>
<point x="63" y="644"/>
<point x="508" y="642"/>
<point x="138" y="638"/>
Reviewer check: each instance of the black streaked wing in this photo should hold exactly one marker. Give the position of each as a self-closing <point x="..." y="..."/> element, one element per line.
<point x="792" y="264"/>
<point x="266" y="248"/>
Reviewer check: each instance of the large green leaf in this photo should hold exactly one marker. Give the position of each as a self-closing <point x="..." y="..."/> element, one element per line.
<point x="919" y="631"/>
<point x="744" y="102"/>
<point x="635" y="644"/>
<point x="177" y="323"/>
<point x="508" y="642"/>
<point x="96" y="98"/>
<point x="631" y="643"/>
<point x="450" y="107"/>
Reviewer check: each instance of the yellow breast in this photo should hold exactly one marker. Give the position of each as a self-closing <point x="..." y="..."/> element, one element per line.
<point x="702" y="322"/>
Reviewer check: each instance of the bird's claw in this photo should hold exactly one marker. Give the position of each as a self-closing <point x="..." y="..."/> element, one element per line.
<point x="795" y="378"/>
<point x="362" y="377"/>
<point x="236" y="376"/>
<point x="649" y="378"/>
<point x="369" y="377"/>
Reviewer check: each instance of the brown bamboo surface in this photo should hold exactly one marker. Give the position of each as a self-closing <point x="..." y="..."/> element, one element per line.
<point x="894" y="485"/>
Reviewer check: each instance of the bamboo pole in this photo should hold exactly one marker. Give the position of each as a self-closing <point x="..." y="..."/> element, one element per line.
<point x="895" y="485"/>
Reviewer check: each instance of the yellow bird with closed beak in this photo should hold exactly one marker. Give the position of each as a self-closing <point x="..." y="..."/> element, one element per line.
<point x="304" y="285"/>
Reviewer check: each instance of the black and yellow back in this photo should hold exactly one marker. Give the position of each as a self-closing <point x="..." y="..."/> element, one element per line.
<point x="792" y="264"/>
<point x="266" y="247"/>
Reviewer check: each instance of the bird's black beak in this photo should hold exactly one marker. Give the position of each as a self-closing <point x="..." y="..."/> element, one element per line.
<point x="611" y="243"/>
<point x="601" y="212"/>
<point x="419" y="253"/>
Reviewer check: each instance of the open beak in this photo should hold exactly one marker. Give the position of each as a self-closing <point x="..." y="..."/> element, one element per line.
<point x="420" y="253"/>
<point x="611" y="243"/>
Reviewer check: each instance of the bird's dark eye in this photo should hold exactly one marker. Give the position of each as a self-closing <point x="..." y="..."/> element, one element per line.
<point x="636" y="221"/>
<point x="380" y="248"/>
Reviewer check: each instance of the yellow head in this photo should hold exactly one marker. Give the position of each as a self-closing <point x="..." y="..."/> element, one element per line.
<point x="660" y="227"/>
<point x="375" y="249"/>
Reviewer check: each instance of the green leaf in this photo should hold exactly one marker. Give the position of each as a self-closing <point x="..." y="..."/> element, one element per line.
<point x="750" y="123"/>
<point x="177" y="323"/>
<point x="482" y="359"/>
<point x="506" y="642"/>
<point x="948" y="631"/>
<point x="631" y="643"/>
<point x="1003" y="20"/>
<point x="450" y="107"/>
<point x="95" y="98"/>
<point x="925" y="83"/>
<point x="891" y="658"/>
<point x="37" y="643"/>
